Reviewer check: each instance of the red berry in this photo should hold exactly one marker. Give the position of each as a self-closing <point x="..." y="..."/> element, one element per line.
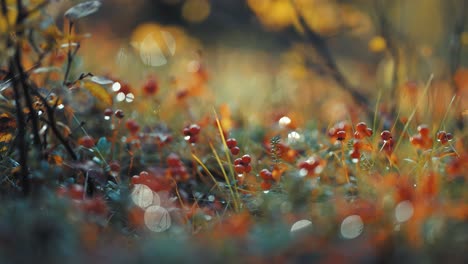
<point x="173" y="160"/>
<point x="125" y="88"/>
<point x="132" y="126"/>
<point x="239" y="169"/>
<point x="76" y="192"/>
<point x="194" y="129"/>
<point x="416" y="140"/>
<point x="355" y="154"/>
<point x="114" y="166"/>
<point x="357" y="144"/>
<point x="424" y="131"/>
<point x="246" y="159"/>
<point x="341" y="135"/>
<point x="386" y="135"/>
<point x="108" y="112"/>
<point x="361" y="127"/>
<point x="266" y="175"/>
<point x="193" y="139"/>
<point x="86" y="141"/>
<point x="186" y="131"/>
<point x="136" y="179"/>
<point x="266" y="185"/>
<point x="144" y="174"/>
<point x="231" y="143"/>
<point x="248" y="168"/>
<point x="369" y="132"/>
<point x="304" y="165"/>
<point x="358" y="135"/>
<point x="119" y="113"/>
<point x="150" y="87"/>
<point x="235" y="151"/>
<point x="168" y="139"/>
<point x="449" y="136"/>
<point x="238" y="161"/>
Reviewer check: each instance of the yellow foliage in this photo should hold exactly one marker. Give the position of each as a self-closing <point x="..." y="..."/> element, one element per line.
<point x="464" y="38"/>
<point x="99" y="92"/>
<point x="274" y="14"/>
<point x="377" y="44"/>
<point x="8" y="21"/>
<point x="321" y="16"/>
<point x="196" y="11"/>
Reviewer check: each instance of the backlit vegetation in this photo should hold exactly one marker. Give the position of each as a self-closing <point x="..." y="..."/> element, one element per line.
<point x="160" y="147"/>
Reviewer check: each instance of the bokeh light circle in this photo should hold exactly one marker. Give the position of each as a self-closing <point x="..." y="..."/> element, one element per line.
<point x="351" y="227"/>
<point x="142" y="195"/>
<point x="157" y="218"/>
<point x="404" y="211"/>
<point x="301" y="226"/>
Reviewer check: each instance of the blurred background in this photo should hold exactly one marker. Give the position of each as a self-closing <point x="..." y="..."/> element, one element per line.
<point x="303" y="56"/>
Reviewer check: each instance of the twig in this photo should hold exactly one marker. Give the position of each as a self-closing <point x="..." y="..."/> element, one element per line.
<point x="455" y="45"/>
<point x="21" y="137"/>
<point x="319" y="43"/>
<point x="53" y="126"/>
<point x="392" y="48"/>
<point x="70" y="54"/>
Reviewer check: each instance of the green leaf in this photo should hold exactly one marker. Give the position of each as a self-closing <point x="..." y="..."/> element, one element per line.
<point x="103" y="145"/>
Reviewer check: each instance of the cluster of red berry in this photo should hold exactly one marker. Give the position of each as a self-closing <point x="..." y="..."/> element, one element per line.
<point x="242" y="165"/>
<point x="387" y="140"/>
<point x="176" y="168"/>
<point x="95" y="205"/>
<point x="118" y="113"/>
<point x="132" y="126"/>
<point x="339" y="131"/>
<point x="151" y="86"/>
<point x="114" y="167"/>
<point x="362" y="131"/>
<point x="423" y="138"/>
<point x="74" y="191"/>
<point x="312" y="166"/>
<point x="163" y="139"/>
<point x="232" y="145"/>
<point x="268" y="180"/>
<point x="191" y="133"/>
<point x="86" y="141"/>
<point x="154" y="182"/>
<point x="444" y="137"/>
